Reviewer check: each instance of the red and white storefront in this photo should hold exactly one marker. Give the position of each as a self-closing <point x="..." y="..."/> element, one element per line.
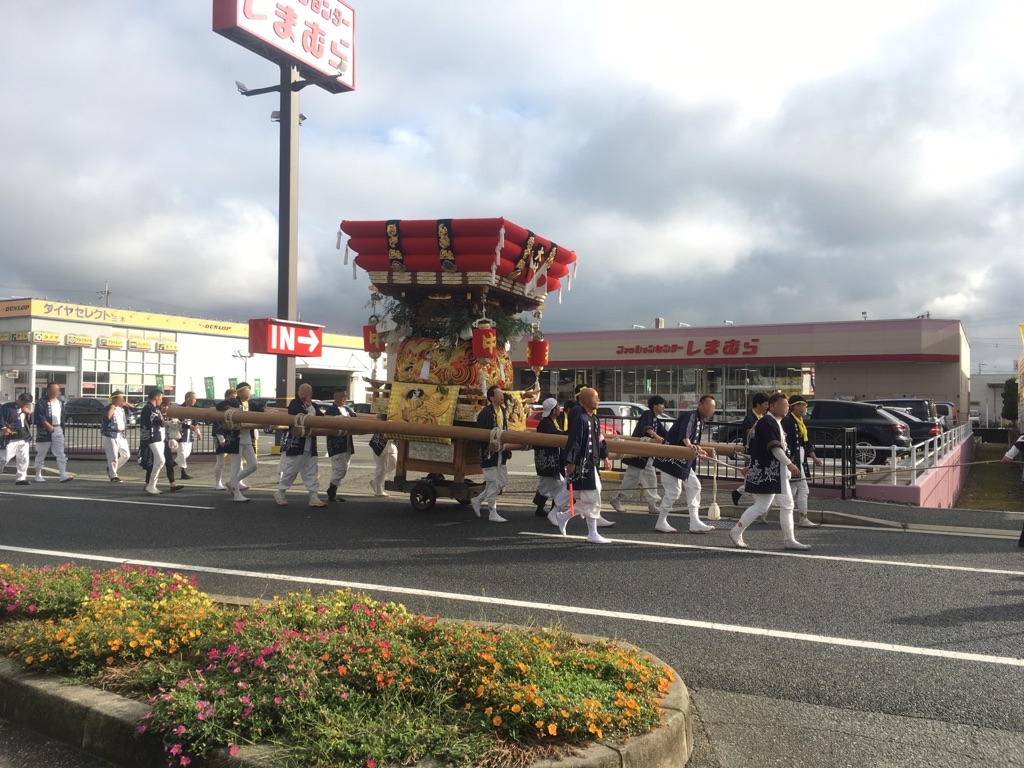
<point x="920" y="357"/>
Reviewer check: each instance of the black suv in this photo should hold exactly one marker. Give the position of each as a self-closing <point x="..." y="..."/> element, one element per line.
<point x="84" y="410"/>
<point x="877" y="431"/>
<point x="919" y="408"/>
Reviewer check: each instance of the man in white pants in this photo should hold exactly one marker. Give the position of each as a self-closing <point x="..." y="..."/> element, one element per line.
<point x="49" y="419"/>
<point x="492" y="463"/>
<point x="385" y="459"/>
<point x="679" y="474"/>
<point x="769" y="473"/>
<point x="298" y="454"/>
<point x="221" y="449"/>
<point x="240" y="443"/>
<point x="640" y="469"/>
<point x="582" y="457"/>
<point x="17" y="436"/>
<point x="339" y="447"/>
<point x="151" y="440"/>
<point x="115" y="444"/>
<point x="189" y="433"/>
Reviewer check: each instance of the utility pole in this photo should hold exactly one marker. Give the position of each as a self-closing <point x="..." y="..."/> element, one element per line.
<point x="105" y="294"/>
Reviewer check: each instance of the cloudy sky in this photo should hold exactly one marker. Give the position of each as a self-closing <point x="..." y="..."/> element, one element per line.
<point x="749" y="161"/>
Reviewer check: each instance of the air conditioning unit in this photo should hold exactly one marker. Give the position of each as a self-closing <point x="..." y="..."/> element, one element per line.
<point x="12" y="374"/>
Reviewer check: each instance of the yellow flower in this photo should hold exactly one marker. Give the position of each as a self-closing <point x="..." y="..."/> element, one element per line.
<point x="496" y="720"/>
<point x="516" y="708"/>
<point x="553" y="729"/>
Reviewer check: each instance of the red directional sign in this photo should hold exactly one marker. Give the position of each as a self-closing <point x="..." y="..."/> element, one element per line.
<point x="285" y="337"/>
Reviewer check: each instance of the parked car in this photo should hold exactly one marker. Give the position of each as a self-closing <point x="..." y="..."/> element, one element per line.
<point x="84" y="410"/>
<point x="922" y="408"/>
<point x="919" y="430"/>
<point x="624" y="416"/>
<point x="609" y="426"/>
<point x="361" y="407"/>
<point x="947" y="414"/>
<point x="877" y="431"/>
<point x="974" y="417"/>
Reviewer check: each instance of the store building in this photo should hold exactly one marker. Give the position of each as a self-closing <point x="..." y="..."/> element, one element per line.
<point x="91" y="351"/>
<point x="920" y="357"/>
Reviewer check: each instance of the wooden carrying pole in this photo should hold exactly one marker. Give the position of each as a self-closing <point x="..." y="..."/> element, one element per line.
<point x="366" y="425"/>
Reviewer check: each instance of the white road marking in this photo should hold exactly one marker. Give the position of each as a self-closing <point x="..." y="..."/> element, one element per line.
<point x="731" y="550"/>
<point x="105" y="500"/>
<point x="553" y="607"/>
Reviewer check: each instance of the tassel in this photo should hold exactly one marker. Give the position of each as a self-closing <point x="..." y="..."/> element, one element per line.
<point x="559" y="294"/>
<point x="346" y="253"/>
<point x="353" y="270"/>
<point x="337" y="246"/>
<point x="575" y="264"/>
<point x="501" y="244"/>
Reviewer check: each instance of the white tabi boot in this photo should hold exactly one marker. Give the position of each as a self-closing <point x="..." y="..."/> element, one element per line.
<point x="788" y="538"/>
<point x="592" y="535"/>
<point x="662" y="524"/>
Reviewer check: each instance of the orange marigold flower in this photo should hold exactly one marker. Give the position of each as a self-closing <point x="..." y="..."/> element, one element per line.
<point x="553" y="729"/>
<point x="496" y="720"/>
<point x="516" y="708"/>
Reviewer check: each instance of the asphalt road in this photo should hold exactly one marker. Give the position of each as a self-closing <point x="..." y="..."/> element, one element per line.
<point x="875" y="648"/>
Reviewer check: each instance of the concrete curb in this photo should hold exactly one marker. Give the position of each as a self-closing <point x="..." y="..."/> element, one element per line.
<point x="106" y="725"/>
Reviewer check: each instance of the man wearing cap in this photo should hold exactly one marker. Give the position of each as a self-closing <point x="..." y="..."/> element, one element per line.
<point x="299" y="453"/>
<point x="151" y="440"/>
<point x="189" y="433"/>
<point x="640" y="469"/>
<point x="548" y="461"/>
<point x="115" y="444"/>
<point x="240" y="443"/>
<point x="221" y="449"/>
<point x="15" y="435"/>
<point x="800" y="450"/>
<point x="339" y="447"/>
<point x="49" y="420"/>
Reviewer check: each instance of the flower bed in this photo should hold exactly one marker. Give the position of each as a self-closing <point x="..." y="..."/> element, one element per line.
<point x="333" y="679"/>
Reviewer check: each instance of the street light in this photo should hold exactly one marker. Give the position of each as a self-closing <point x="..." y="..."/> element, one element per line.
<point x="288" y="203"/>
<point x="245" y="362"/>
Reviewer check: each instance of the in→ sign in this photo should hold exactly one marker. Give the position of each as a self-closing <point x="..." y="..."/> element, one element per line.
<point x="284" y="337"/>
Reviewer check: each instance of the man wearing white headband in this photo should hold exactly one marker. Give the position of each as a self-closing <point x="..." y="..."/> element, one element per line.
<point x="115" y="444"/>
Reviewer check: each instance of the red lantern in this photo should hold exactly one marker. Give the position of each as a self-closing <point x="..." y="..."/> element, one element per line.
<point x="485" y="342"/>
<point x="537" y="354"/>
<point x="373" y="341"/>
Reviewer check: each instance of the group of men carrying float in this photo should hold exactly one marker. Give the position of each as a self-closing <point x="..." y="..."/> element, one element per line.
<point x="779" y="447"/>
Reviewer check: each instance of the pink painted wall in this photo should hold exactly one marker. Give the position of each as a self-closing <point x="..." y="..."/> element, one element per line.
<point x="939" y="488"/>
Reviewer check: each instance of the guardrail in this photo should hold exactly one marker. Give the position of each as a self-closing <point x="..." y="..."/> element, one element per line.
<point x="84" y="441"/>
<point x="927" y="454"/>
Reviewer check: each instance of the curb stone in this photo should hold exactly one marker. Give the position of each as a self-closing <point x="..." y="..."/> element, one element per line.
<point x="106" y="725"/>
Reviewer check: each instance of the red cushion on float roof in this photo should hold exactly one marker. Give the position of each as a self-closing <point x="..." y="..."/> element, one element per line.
<point x="482" y="263"/>
<point x="422" y="263"/>
<point x="556" y="269"/>
<point x="372" y="263"/>
<point x="427" y="246"/>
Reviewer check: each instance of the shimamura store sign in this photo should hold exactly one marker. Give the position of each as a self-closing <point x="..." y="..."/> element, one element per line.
<point x="695" y="348"/>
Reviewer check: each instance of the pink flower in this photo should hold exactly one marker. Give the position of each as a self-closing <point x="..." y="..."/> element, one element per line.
<point x="278" y="700"/>
<point x="141" y="729"/>
<point x="179" y="730"/>
<point x="176" y="749"/>
<point x="233" y="749"/>
<point x="185" y="760"/>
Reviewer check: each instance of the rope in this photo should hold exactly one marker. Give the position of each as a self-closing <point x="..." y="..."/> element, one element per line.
<point x="229" y="418"/>
<point x="495" y="443"/>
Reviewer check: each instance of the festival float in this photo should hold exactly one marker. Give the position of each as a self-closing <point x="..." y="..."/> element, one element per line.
<point x="447" y="301"/>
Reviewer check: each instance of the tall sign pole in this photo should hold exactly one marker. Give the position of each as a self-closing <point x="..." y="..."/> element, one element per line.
<point x="288" y="225"/>
<point x="313" y="43"/>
